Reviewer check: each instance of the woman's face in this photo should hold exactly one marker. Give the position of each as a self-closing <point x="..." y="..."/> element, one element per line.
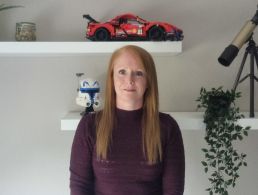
<point x="129" y="81"/>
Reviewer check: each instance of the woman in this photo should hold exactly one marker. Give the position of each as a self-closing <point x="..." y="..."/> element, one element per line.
<point x="128" y="148"/>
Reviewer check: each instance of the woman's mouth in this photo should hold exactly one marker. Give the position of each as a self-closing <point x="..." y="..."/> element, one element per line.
<point x="130" y="90"/>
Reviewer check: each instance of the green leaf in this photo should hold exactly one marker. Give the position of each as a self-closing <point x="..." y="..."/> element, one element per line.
<point x="204" y="150"/>
<point x="3" y="7"/>
<point x="221" y="168"/>
<point x="211" y="180"/>
<point x="234" y="137"/>
<point x="214" y="174"/>
<point x="235" y="168"/>
<point x="204" y="163"/>
<point x="248" y="128"/>
<point x="213" y="164"/>
<point x="229" y="182"/>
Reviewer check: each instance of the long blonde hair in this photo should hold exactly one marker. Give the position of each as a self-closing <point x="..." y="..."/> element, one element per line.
<point x="105" y="119"/>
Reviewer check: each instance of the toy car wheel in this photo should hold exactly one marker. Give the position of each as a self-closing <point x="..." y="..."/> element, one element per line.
<point x="156" y="34"/>
<point x="102" y="35"/>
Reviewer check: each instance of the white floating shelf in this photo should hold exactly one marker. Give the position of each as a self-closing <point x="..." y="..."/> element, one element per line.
<point x="87" y="47"/>
<point x="186" y="120"/>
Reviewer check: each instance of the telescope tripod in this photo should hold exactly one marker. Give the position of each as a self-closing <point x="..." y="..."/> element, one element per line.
<point x="252" y="51"/>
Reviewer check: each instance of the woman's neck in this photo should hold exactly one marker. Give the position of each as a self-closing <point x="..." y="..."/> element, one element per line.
<point x="129" y="105"/>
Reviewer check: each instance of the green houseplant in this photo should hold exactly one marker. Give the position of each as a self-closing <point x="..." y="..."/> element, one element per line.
<point x="222" y="160"/>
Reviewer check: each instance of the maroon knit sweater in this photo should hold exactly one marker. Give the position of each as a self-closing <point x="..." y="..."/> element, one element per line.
<point x="126" y="171"/>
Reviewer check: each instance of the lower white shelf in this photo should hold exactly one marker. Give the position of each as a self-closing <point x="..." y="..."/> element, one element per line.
<point x="185" y="120"/>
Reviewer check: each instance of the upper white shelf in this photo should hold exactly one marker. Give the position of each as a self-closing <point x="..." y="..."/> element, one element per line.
<point x="87" y="47"/>
<point x="185" y="120"/>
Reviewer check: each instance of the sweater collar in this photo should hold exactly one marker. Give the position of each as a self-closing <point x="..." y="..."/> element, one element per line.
<point x="129" y="114"/>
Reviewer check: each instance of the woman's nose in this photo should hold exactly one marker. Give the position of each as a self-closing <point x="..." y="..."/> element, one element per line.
<point x="131" y="78"/>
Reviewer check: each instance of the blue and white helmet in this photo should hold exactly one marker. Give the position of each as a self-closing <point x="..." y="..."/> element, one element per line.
<point x="88" y="94"/>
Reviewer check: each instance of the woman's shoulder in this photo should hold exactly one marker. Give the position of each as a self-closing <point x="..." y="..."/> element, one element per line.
<point x="168" y="125"/>
<point x="87" y="124"/>
<point x="88" y="118"/>
<point x="167" y="119"/>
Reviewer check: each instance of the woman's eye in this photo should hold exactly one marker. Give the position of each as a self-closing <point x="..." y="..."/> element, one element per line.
<point x="139" y="73"/>
<point x="121" y="71"/>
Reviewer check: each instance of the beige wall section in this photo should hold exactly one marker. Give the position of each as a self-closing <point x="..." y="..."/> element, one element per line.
<point x="37" y="91"/>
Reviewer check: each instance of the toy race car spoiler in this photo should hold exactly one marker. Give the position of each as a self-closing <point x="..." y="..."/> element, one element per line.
<point x="88" y="17"/>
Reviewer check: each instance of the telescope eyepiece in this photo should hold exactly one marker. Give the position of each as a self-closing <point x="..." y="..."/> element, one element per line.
<point x="228" y="55"/>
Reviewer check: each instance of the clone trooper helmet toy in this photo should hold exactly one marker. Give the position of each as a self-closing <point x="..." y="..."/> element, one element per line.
<point x="88" y="94"/>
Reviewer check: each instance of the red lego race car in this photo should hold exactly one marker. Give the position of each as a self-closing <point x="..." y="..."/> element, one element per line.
<point x="131" y="27"/>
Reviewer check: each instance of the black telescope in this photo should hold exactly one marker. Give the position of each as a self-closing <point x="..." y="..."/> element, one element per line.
<point x="230" y="52"/>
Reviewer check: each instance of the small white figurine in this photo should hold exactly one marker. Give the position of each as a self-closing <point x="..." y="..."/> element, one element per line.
<point x="88" y="94"/>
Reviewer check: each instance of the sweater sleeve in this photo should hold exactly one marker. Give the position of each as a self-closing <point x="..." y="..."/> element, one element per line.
<point x="174" y="161"/>
<point x="81" y="172"/>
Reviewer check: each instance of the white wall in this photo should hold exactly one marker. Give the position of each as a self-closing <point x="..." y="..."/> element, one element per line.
<point x="37" y="91"/>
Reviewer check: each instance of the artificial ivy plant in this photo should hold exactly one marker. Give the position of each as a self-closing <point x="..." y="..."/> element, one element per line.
<point x="221" y="159"/>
